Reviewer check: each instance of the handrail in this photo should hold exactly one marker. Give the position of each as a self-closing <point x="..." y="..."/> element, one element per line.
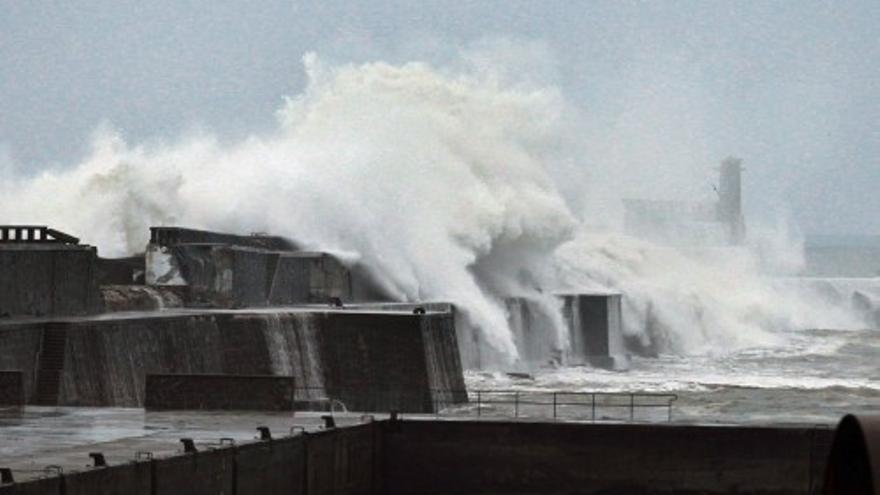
<point x="552" y="403"/>
<point x="34" y="234"/>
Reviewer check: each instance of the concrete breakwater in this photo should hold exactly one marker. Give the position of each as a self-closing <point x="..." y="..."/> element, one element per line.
<point x="367" y="360"/>
<point x="442" y="457"/>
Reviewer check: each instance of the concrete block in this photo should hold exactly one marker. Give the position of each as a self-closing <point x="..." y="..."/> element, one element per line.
<point x="11" y="388"/>
<point x="596" y="329"/>
<point x="219" y="392"/>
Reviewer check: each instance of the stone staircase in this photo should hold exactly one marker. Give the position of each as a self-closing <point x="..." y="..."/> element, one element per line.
<point x="51" y="364"/>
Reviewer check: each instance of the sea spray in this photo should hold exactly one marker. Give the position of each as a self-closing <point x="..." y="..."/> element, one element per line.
<point x="445" y="186"/>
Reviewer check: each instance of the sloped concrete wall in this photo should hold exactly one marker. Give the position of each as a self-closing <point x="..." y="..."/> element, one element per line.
<point x="371" y="361"/>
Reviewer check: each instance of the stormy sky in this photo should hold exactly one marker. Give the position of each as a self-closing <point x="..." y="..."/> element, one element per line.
<point x="791" y="87"/>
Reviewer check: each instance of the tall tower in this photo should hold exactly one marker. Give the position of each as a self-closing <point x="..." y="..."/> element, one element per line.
<point x="730" y="199"/>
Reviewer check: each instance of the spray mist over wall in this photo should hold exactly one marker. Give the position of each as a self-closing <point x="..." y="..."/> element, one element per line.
<point x="446" y="185"/>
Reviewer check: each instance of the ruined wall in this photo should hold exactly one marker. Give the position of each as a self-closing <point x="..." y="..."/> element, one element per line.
<point x="48" y="279"/>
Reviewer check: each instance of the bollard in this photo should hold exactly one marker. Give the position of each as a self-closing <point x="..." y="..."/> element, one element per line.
<point x="189" y="446"/>
<point x="265" y="434"/>
<point x="98" y="459"/>
<point x="329" y="422"/>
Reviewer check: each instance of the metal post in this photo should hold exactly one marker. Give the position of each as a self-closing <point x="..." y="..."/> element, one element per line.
<point x="593" y="417"/>
<point x="516" y="404"/>
<point x="554" y="405"/>
<point x="479" y="403"/>
<point x="632" y="406"/>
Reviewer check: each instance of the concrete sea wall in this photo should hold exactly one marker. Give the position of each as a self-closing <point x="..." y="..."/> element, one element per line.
<point x="367" y="360"/>
<point x="443" y="457"/>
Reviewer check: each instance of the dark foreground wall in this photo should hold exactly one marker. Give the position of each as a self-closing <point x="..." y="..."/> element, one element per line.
<point x="333" y="462"/>
<point x="11" y="388"/>
<point x="444" y="457"/>
<point x="545" y="458"/>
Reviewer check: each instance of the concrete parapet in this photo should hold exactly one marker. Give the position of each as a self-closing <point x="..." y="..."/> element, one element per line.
<point x="224" y="392"/>
<point x="48" y="279"/>
<point x="441" y="457"/>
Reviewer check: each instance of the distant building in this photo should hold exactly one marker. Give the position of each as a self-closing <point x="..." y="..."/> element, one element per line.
<point x="693" y="222"/>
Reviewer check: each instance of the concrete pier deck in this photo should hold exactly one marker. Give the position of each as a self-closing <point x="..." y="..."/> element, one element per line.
<point x="34" y="437"/>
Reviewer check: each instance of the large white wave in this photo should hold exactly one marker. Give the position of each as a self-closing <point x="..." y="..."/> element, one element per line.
<point x="445" y="185"/>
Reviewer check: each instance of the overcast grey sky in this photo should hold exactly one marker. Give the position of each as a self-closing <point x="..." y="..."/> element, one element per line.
<point x="792" y="87"/>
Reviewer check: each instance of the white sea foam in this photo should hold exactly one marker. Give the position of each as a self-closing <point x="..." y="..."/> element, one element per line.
<point x="445" y="185"/>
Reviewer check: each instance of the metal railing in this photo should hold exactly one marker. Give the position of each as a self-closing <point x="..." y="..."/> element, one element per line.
<point x="34" y="234"/>
<point x="592" y="406"/>
<point x="537" y="404"/>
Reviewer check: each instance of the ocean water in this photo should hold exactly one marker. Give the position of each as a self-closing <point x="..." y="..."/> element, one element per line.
<point x="815" y="377"/>
<point x="795" y="373"/>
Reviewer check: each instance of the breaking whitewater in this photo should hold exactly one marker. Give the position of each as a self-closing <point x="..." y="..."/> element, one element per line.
<point x="463" y="186"/>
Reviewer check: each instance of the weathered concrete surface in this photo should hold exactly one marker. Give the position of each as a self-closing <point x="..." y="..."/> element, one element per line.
<point x="173" y="236"/>
<point x="48" y="279"/>
<point x="595" y="327"/>
<point x="222" y="276"/>
<point x="379" y="363"/>
<point x="308" y="277"/>
<point x="223" y="392"/>
<point x="473" y="457"/>
<point x="442" y="457"/>
<point x="11" y="388"/>
<point x="119" y="298"/>
<point x="593" y="322"/>
<point x="370" y="360"/>
<point x="335" y="461"/>
<point x="19" y="346"/>
<point x="130" y="478"/>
